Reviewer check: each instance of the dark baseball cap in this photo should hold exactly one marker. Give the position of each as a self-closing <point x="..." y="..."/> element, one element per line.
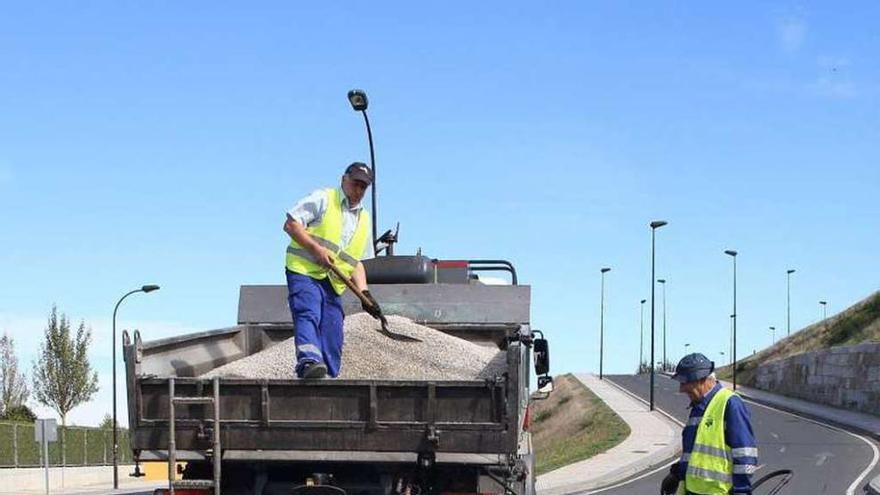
<point x="360" y="171"/>
<point x="693" y="367"/>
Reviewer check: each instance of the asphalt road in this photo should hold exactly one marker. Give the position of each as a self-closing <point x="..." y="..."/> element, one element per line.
<point x="824" y="460"/>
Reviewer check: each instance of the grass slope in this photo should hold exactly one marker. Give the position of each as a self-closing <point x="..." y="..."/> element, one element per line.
<point x="571" y="425"/>
<point x="854" y="325"/>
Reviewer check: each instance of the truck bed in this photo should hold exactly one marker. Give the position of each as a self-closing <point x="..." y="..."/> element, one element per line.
<point x="342" y="420"/>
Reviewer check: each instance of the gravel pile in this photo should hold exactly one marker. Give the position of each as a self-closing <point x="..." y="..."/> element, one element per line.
<point x="369" y="355"/>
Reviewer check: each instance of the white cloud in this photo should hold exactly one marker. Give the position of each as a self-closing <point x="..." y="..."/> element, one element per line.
<point x="792" y="34"/>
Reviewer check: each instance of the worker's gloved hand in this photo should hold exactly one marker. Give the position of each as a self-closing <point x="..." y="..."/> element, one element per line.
<point x="373" y="308"/>
<point x="670" y="484"/>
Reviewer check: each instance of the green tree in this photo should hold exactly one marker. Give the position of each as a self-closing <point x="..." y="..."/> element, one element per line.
<point x="20" y="413"/>
<point x="106" y="422"/>
<point x="63" y="377"/>
<point x="13" y="386"/>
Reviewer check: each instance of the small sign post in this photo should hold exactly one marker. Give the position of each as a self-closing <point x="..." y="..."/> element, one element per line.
<point x="45" y="431"/>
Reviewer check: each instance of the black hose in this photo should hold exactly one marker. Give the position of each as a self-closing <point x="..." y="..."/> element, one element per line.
<point x="786" y="474"/>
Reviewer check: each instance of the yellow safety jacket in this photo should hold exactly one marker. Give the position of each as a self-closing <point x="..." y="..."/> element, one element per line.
<point x="328" y="233"/>
<point x="710" y="465"/>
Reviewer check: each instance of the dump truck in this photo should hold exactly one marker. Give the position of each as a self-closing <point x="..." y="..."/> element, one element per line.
<point x="241" y="436"/>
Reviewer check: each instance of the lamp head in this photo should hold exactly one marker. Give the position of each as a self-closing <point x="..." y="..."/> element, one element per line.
<point x="149" y="288"/>
<point x="661" y="280"/>
<point x="823" y="303"/>
<point x="643" y="301"/>
<point x="656" y="224"/>
<point x="730" y="252"/>
<point x="790" y="271"/>
<point x="605" y="270"/>
<point x="358" y="100"/>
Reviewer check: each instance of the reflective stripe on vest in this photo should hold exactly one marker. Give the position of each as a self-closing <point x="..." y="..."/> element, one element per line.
<point x="328" y="233"/>
<point x="710" y="463"/>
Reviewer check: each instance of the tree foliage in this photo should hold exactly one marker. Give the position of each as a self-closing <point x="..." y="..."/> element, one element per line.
<point x="20" y="413"/>
<point x="62" y="376"/>
<point x="13" y="386"/>
<point x="106" y="422"/>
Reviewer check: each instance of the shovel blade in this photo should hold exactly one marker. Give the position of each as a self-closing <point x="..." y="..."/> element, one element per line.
<point x="394" y="335"/>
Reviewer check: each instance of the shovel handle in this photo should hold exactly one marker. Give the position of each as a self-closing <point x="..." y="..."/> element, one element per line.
<point x="348" y="283"/>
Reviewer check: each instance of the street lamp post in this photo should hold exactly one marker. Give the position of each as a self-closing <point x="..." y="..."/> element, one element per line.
<point x="145" y="289"/>
<point x="641" y="334"/>
<point x="732" y="254"/>
<point x="654" y="226"/>
<point x="602" y="321"/>
<point x="788" y="300"/>
<point x="773" y="333"/>
<point x="359" y="102"/>
<point x="824" y="305"/>
<point x="665" y="362"/>
<point x="686" y="349"/>
<point x="730" y="344"/>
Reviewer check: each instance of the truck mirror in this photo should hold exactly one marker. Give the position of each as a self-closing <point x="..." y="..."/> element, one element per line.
<point x="545" y="384"/>
<point x="541" y="351"/>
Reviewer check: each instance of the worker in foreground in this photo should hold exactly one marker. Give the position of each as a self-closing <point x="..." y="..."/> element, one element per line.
<point x="719" y="453"/>
<point x="329" y="226"/>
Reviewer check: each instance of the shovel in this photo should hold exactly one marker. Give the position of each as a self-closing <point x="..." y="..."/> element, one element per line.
<point x="360" y="295"/>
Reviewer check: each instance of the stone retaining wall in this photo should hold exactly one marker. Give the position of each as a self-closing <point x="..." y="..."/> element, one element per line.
<point x="847" y="377"/>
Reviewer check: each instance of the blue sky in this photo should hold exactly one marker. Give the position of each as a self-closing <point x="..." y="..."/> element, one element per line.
<point x="162" y="142"/>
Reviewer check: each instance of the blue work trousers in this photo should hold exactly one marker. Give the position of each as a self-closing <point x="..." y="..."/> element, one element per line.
<point x="317" y="319"/>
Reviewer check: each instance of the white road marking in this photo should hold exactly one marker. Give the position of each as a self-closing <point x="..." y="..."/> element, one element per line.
<point x="852" y="488"/>
<point x="626" y="482"/>
<point x="782" y="449"/>
<point x="774" y="435"/>
<point x="822" y="457"/>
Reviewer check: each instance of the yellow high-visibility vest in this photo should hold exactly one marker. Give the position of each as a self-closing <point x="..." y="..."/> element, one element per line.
<point x="710" y="465"/>
<point x="328" y="233"/>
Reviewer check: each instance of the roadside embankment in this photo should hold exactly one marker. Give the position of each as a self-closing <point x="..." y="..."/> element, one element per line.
<point x="572" y="424"/>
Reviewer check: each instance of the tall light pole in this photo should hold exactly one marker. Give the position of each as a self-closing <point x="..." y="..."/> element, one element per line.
<point x="732" y="254"/>
<point x="686" y="349"/>
<point x="602" y="321"/>
<point x="641" y="334"/>
<point x="773" y="333"/>
<point x="359" y="102"/>
<point x="663" y="281"/>
<point x="730" y="345"/>
<point x="656" y="224"/>
<point x="824" y="305"/>
<point x="145" y="288"/>
<point x="788" y="299"/>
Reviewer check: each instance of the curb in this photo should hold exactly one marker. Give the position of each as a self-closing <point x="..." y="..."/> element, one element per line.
<point x="658" y="460"/>
<point x="661" y="458"/>
<point x="643" y="401"/>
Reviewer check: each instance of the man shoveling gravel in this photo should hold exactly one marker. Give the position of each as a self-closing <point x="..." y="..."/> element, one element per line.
<point x="369" y="355"/>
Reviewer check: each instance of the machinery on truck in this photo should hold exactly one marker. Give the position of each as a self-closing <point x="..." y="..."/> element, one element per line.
<point x="241" y="436"/>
